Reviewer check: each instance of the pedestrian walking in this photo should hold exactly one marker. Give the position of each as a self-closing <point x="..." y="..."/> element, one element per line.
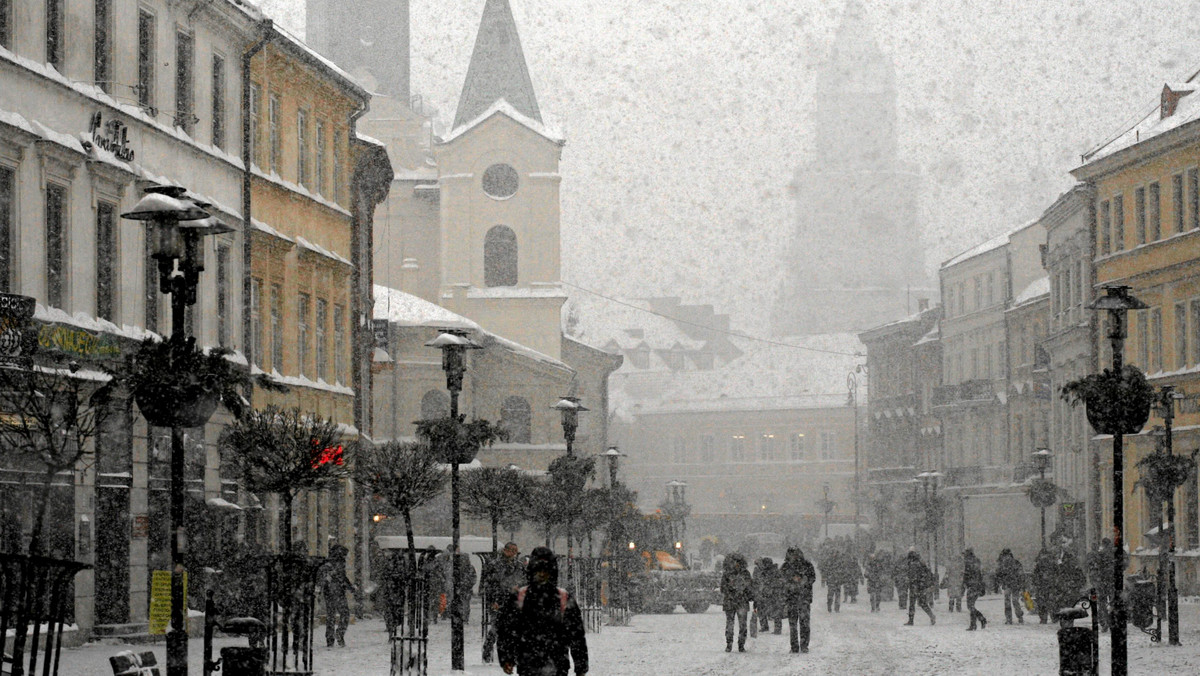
<point x="1067" y="582"/>
<point x="737" y="591"/>
<point x="876" y="579"/>
<point x="1100" y="571"/>
<point x="797" y="575"/>
<point x="953" y="584"/>
<point x="974" y="586"/>
<point x="502" y="577"/>
<point x="920" y="586"/>
<point x="433" y="569"/>
<point x="1010" y="577"/>
<point x="540" y="627"/>
<point x="334" y="587"/>
<point x="464" y="590"/>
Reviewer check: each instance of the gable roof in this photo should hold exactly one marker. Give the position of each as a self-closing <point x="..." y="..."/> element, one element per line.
<point x="497" y="69"/>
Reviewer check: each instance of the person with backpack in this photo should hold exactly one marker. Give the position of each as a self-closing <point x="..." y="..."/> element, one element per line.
<point x="540" y="629"/>
<point x="798" y="576"/>
<point x="737" y="591"/>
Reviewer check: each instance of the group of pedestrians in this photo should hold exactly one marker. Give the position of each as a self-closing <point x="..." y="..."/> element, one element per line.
<point x="776" y="592"/>
<point x="840" y="572"/>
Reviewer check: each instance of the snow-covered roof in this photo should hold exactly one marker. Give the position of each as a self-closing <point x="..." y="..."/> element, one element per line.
<point x="406" y="309"/>
<point x="981" y="248"/>
<point x="1152" y="124"/>
<point x="503" y="107"/>
<point x="347" y="80"/>
<point x="1036" y="288"/>
<point x="629" y="325"/>
<point x="934" y="334"/>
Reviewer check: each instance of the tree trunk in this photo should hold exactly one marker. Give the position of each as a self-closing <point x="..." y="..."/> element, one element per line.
<point x="412" y="542"/>
<point x="495" y="528"/>
<point x="285" y="524"/>
<point x="36" y="546"/>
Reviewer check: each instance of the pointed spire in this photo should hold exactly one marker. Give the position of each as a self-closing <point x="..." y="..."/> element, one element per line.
<point x="497" y="69"/>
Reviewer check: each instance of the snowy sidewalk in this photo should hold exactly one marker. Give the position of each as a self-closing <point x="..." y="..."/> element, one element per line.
<point x="849" y="643"/>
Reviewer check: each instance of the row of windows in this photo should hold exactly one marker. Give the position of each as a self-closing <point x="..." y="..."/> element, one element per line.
<point x="312" y="145"/>
<point x="312" y="331"/>
<point x="767" y="447"/>
<point x="56" y="215"/>
<point x="1067" y="289"/>
<point x="983" y="290"/>
<point x="1185" y="330"/>
<point x="986" y="361"/>
<point x="1148" y="223"/>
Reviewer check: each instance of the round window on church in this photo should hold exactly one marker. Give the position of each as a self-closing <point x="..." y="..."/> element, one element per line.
<point x="500" y="181"/>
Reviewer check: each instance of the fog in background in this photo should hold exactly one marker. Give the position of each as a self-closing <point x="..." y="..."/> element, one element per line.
<point x="686" y="120"/>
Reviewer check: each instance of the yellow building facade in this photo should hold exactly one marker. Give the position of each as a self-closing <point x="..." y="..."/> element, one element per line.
<point x="1146" y="235"/>
<point x="302" y="112"/>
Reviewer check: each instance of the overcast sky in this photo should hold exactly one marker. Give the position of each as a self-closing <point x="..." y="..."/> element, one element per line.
<point x="685" y="119"/>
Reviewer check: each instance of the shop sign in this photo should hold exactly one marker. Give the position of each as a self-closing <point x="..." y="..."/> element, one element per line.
<point x="16" y="335"/>
<point x="77" y="342"/>
<point x="141" y="526"/>
<point x="113" y="136"/>
<point x="160" y="600"/>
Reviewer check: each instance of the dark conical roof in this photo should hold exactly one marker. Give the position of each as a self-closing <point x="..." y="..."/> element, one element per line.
<point x="497" y="69"/>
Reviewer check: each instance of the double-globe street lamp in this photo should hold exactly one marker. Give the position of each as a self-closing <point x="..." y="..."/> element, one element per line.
<point x="1117" y="302"/>
<point x="177" y="225"/>
<point x="570" y="408"/>
<point x="454" y="344"/>
<point x="827" y="506"/>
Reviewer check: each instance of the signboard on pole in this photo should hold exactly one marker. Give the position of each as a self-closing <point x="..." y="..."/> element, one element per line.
<point x="160" y="600"/>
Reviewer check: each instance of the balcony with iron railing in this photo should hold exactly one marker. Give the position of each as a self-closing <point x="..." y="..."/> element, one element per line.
<point x="966" y="393"/>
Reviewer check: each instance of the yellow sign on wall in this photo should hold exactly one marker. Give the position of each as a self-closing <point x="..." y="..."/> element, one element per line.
<point x="160" y="600"/>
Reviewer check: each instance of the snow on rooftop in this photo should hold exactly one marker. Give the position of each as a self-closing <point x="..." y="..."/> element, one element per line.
<point x="934" y="334"/>
<point x="981" y="248"/>
<point x="505" y="108"/>
<point x="1153" y="124"/>
<point x="1036" y="288"/>
<point x="406" y="309"/>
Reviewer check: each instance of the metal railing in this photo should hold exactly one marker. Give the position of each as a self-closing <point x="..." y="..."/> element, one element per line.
<point x="35" y="597"/>
<point x="409" y="632"/>
<point x="291" y="588"/>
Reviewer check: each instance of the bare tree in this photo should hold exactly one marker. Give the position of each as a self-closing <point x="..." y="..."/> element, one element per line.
<point x="286" y="452"/>
<point x="496" y="494"/>
<point x="405" y="474"/>
<point x="51" y="415"/>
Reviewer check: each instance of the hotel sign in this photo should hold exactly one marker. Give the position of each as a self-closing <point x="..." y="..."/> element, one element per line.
<point x="113" y="136"/>
<point x="78" y="342"/>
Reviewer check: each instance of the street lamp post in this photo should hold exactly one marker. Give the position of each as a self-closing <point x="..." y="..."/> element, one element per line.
<point x="611" y="455"/>
<point x="677" y="496"/>
<point x="454" y="343"/>
<point x="177" y="224"/>
<point x="1042" y="457"/>
<point x="827" y="505"/>
<point x="570" y="408"/>
<point x="852" y="400"/>
<point x="1117" y="302"/>
<point x="929" y="480"/>
<point x="1167" y="411"/>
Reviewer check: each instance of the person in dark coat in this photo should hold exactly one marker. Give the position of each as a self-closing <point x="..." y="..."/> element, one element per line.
<point x="831" y="576"/>
<point x="737" y="591"/>
<point x="900" y="579"/>
<point x="798" y="575"/>
<point x="1010" y="577"/>
<point x="540" y="627"/>
<point x="1068" y="582"/>
<point x="466" y="585"/>
<point x="974" y="585"/>
<point x="334" y="586"/>
<point x="504" y="575"/>
<point x="768" y="595"/>
<point x="876" y="579"/>
<point x="1042" y="582"/>
<point x="920" y="586"/>
<point x="432" y="568"/>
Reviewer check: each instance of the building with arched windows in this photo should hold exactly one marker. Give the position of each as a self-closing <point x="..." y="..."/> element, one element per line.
<point x="469" y="236"/>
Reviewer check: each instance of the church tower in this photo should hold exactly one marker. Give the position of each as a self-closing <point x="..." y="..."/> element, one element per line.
<point x="369" y="38"/>
<point x="857" y="243"/>
<point x="498" y="187"/>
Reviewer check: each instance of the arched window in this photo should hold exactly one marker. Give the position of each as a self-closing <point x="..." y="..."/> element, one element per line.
<point x="500" y="257"/>
<point x="515" y="416"/>
<point x="435" y="404"/>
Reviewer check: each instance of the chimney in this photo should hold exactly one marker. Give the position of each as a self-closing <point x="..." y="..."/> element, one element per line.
<point x="922" y="304"/>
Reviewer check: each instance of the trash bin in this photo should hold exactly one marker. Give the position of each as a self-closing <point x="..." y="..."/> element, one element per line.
<point x="1076" y="645"/>
<point x="1141" y="602"/>
<point x="243" y="661"/>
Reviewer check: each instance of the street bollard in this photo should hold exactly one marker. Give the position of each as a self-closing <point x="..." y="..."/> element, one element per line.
<point x="1076" y="645"/>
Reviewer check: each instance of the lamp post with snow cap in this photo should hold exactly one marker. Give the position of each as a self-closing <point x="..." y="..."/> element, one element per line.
<point x="611" y="455"/>
<point x="1117" y="302"/>
<point x="178" y="225"/>
<point x="570" y="409"/>
<point x="454" y="344"/>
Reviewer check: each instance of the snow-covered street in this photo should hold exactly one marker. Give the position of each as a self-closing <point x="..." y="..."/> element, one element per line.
<point x="852" y="642"/>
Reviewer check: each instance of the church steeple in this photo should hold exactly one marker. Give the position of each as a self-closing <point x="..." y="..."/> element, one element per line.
<point x="497" y="69"/>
